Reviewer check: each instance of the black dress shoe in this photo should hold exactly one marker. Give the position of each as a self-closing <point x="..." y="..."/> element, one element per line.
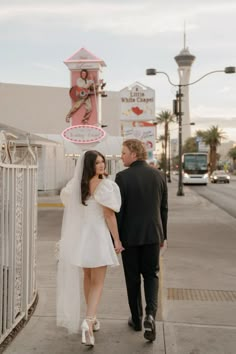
<point x="136" y="326"/>
<point x="150" y="328"/>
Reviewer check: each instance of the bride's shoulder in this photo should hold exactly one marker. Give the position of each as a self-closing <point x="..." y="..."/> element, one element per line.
<point x="106" y="185"/>
<point x="107" y="193"/>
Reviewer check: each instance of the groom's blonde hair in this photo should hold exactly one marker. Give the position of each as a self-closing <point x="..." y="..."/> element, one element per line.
<point x="136" y="146"/>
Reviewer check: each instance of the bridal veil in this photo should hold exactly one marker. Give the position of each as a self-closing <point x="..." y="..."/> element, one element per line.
<point x="68" y="274"/>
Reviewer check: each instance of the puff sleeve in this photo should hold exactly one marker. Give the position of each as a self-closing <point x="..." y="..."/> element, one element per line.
<point x="107" y="194"/>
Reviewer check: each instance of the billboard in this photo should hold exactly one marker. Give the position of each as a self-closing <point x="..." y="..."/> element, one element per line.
<point x="137" y="103"/>
<point x="144" y="131"/>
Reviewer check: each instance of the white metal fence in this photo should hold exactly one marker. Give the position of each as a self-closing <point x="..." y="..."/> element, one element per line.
<point x="18" y="231"/>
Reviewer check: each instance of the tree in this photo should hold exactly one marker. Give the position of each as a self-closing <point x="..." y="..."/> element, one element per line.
<point x="165" y="118"/>
<point x="190" y="145"/>
<point x="162" y="159"/>
<point x="232" y="155"/>
<point x="213" y="137"/>
<point x="200" y="133"/>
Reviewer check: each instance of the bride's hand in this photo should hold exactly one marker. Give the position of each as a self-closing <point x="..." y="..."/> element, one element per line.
<point x="118" y="246"/>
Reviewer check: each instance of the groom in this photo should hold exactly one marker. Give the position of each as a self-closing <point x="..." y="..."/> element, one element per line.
<point x="142" y="223"/>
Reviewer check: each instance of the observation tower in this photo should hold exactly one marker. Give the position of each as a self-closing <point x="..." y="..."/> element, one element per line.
<point x="185" y="60"/>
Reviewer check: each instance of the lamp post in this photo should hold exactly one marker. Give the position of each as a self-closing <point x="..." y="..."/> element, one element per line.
<point x="179" y="95"/>
<point x="169" y="176"/>
<point x="179" y="113"/>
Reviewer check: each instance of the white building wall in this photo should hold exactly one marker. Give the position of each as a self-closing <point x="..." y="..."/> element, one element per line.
<point x="42" y="110"/>
<point x="55" y="170"/>
<point x="111" y="112"/>
<point x="36" y="109"/>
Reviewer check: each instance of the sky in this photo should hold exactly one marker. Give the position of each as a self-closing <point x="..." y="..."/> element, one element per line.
<point x="130" y="36"/>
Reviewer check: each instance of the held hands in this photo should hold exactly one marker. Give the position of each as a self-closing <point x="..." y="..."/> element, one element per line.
<point x="163" y="244"/>
<point x="163" y="247"/>
<point x="118" y="246"/>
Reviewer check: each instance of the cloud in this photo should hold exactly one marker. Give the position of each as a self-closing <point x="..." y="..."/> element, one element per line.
<point x="225" y="89"/>
<point x="146" y="19"/>
<point x="130" y="35"/>
<point x="220" y="121"/>
<point x="212" y="111"/>
<point x="44" y="67"/>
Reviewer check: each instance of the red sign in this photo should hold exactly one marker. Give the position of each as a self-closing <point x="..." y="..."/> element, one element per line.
<point x="83" y="134"/>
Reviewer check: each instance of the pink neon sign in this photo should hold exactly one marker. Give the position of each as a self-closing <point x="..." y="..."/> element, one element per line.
<point x="83" y="134"/>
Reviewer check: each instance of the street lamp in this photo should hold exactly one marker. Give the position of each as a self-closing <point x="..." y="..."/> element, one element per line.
<point x="179" y="113"/>
<point x="169" y="177"/>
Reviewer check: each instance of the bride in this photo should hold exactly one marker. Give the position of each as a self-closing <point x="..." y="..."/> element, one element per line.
<point x="88" y="220"/>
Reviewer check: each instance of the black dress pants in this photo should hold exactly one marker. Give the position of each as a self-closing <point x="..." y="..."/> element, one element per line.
<point x="141" y="260"/>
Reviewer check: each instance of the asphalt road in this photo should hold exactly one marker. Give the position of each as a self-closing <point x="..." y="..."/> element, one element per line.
<point x="222" y="195"/>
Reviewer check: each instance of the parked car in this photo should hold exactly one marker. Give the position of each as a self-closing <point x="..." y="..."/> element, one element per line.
<point x="220" y="176"/>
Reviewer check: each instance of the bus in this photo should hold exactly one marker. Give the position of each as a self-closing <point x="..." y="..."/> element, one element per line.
<point x="195" y="168"/>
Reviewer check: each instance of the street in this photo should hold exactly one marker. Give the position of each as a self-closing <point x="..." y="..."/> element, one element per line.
<point x="197" y="285"/>
<point x="222" y="195"/>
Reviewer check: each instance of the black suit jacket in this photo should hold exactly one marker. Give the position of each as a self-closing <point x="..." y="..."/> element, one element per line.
<point x="143" y="215"/>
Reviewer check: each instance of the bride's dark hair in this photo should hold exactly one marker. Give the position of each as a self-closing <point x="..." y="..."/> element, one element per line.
<point x="89" y="171"/>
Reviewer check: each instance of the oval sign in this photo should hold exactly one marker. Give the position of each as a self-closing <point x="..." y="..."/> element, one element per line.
<point x="83" y="134"/>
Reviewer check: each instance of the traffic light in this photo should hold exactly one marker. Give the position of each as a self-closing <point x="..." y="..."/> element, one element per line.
<point x="175" y="108"/>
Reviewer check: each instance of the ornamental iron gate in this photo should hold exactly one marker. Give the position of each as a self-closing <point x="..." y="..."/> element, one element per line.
<point x="18" y="231"/>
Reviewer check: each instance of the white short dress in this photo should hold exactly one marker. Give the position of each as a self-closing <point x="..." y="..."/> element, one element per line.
<point x="85" y="242"/>
<point x="95" y="247"/>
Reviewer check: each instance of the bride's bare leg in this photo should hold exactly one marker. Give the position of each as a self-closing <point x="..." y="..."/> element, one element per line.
<point x="95" y="291"/>
<point x="87" y="282"/>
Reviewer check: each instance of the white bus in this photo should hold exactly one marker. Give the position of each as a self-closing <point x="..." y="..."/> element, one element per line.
<point x="195" y="169"/>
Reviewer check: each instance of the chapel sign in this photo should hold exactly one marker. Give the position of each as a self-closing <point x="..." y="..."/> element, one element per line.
<point x="137" y="103"/>
<point x="144" y="131"/>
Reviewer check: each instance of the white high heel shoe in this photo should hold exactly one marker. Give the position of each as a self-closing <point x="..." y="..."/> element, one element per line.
<point x="87" y="338"/>
<point x="96" y="325"/>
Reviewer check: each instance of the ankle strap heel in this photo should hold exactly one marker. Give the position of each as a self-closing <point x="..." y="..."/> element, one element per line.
<point x="96" y="325"/>
<point x="87" y="337"/>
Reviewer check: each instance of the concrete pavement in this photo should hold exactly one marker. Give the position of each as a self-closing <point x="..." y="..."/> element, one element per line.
<point x="197" y="312"/>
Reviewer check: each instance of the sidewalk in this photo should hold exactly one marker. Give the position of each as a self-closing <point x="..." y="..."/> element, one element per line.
<point x="198" y="288"/>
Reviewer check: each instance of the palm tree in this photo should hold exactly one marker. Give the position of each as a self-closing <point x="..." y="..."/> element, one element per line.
<point x="232" y="155"/>
<point x="165" y="118"/>
<point x="162" y="141"/>
<point x="213" y="137"/>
